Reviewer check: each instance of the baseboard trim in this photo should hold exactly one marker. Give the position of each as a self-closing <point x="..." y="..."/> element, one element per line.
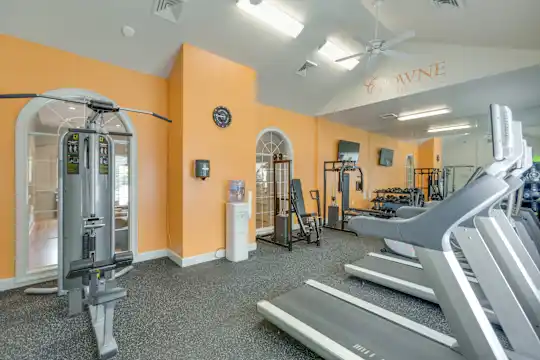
<point x="175" y="258"/>
<point x="11" y="283"/>
<point x="202" y="258"/>
<point x="151" y="255"/>
<point x="252" y="246"/>
<point x="32" y="279"/>
<point x="7" y="284"/>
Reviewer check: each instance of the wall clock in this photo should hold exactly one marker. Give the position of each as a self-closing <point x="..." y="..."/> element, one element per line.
<point x="222" y="116"/>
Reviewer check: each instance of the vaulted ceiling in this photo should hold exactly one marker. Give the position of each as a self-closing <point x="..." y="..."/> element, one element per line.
<point x="93" y="29"/>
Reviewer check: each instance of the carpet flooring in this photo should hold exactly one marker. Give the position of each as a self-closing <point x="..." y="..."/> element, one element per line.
<point x="205" y="312"/>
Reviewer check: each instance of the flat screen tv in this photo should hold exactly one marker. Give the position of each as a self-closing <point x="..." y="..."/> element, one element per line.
<point x="386" y="157"/>
<point x="348" y="151"/>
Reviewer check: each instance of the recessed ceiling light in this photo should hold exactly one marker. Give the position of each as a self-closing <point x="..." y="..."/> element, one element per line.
<point x="117" y="125"/>
<point x="423" y="114"/>
<point x="334" y="52"/>
<point x="272" y="16"/>
<point x="72" y="108"/>
<point x="449" y="128"/>
<point x="128" y="31"/>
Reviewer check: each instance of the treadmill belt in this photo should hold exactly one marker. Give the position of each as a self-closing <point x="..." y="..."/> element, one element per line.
<point x="358" y="330"/>
<point x="404" y="272"/>
<point x="407" y="273"/>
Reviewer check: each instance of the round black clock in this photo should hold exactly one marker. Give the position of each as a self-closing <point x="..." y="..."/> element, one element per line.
<point x="222" y="116"/>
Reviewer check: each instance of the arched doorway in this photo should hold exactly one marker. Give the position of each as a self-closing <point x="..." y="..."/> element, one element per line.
<point x="269" y="142"/>
<point x="39" y="126"/>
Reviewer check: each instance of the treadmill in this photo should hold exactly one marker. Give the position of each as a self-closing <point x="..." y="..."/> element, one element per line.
<point x="336" y="325"/>
<point x="509" y="251"/>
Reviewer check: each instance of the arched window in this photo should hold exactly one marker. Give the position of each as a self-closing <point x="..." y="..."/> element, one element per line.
<point x="39" y="127"/>
<point x="269" y="142"/>
<point x="409" y="170"/>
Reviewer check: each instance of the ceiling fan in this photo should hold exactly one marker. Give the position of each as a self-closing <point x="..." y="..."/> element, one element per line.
<point x="376" y="46"/>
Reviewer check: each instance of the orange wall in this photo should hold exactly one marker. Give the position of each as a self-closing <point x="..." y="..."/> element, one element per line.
<point x="301" y="131"/>
<point x="430" y="152"/>
<point x="175" y="182"/>
<point x="395" y="175"/>
<point x="375" y="176"/>
<point x="30" y="67"/>
<point x="329" y="134"/>
<point x="176" y="210"/>
<point x="209" y="81"/>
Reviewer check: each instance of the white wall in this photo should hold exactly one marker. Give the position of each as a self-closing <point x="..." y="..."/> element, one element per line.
<point x="471" y="149"/>
<point x="474" y="149"/>
<point x="535" y="143"/>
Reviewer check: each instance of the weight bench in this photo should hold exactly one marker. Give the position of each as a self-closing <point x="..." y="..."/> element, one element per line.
<point x="100" y="296"/>
<point x="308" y="222"/>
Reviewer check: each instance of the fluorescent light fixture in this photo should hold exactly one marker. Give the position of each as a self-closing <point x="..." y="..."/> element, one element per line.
<point x="272" y="16"/>
<point x="423" y="114"/>
<point x="449" y="128"/>
<point x="334" y="52"/>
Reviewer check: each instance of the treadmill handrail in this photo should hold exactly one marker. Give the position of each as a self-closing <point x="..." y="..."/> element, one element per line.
<point x="439" y="220"/>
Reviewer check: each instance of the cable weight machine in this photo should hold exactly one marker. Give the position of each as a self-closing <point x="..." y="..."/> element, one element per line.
<point x="87" y="260"/>
<point x="429" y="180"/>
<point x="288" y="200"/>
<point x="333" y="218"/>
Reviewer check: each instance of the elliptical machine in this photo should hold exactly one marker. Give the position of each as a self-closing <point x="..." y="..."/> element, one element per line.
<point x="87" y="259"/>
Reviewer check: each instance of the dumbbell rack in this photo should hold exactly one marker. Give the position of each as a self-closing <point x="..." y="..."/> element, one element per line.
<point x="407" y="197"/>
<point x="531" y="190"/>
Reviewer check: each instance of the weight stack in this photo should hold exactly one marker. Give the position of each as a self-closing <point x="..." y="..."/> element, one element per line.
<point x="282" y="229"/>
<point x="333" y="215"/>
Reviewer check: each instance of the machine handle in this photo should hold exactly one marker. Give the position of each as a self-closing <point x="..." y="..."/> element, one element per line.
<point x="316" y="196"/>
<point x="162" y="117"/>
<point x="17" y="96"/>
<point x="113" y="133"/>
<point x="94" y="226"/>
<point x="85" y="131"/>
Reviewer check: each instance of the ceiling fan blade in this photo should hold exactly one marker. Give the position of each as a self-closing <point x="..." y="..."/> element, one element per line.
<point x="353" y="56"/>
<point x="398" y="39"/>
<point x="370" y="64"/>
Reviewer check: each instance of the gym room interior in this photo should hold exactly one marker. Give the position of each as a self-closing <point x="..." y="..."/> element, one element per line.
<point x="258" y="148"/>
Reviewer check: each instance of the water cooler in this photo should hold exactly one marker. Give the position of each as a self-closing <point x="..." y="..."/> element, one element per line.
<point x="238" y="215"/>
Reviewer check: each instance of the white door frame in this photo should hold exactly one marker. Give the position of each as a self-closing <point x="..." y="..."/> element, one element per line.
<point x="22" y="274"/>
<point x="269" y="229"/>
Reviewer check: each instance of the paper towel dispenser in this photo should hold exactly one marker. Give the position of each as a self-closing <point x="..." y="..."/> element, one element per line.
<point x="202" y="169"/>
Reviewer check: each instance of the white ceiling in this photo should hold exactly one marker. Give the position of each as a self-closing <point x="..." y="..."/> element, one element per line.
<point x="469" y="101"/>
<point x="93" y="29"/>
<point x="496" y="23"/>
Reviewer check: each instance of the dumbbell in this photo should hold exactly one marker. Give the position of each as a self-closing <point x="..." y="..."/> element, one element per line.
<point x="534" y="191"/>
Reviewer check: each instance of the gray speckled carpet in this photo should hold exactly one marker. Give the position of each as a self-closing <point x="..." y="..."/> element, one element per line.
<point x="201" y="312"/>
